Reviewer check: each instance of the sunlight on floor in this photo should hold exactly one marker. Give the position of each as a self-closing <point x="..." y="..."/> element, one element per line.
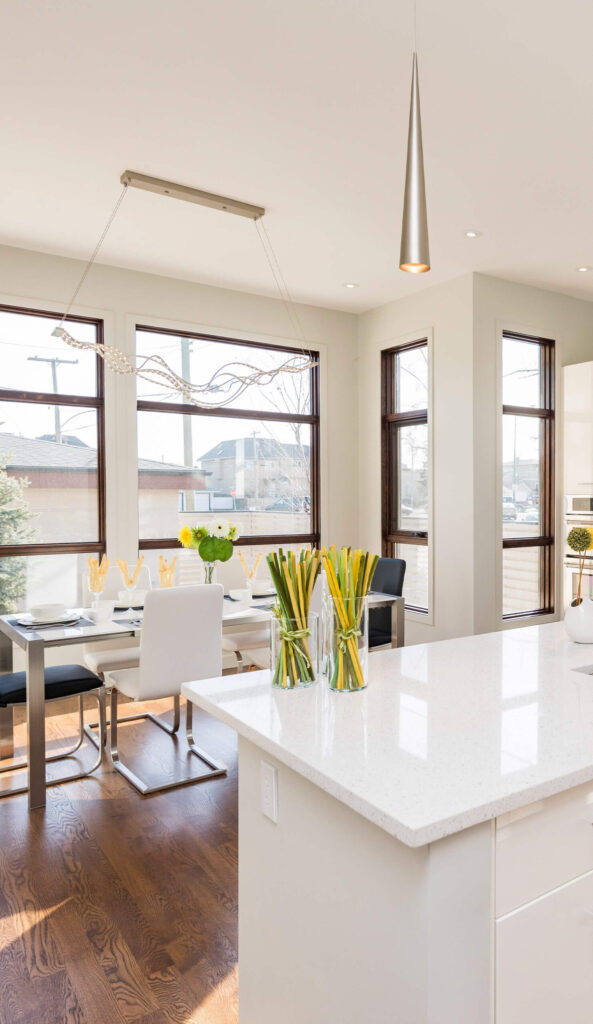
<point x="14" y="926"/>
<point x="222" y="1005"/>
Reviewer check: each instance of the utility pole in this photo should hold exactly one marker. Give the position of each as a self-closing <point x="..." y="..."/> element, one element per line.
<point x="188" y="447"/>
<point x="54" y="363"/>
<point x="255" y="467"/>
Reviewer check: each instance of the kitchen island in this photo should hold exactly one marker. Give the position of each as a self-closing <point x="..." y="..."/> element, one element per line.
<point x="420" y="852"/>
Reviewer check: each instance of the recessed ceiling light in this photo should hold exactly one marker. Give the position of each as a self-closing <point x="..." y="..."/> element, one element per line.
<point x="583" y="270"/>
<point x="350" y="284"/>
<point x="472" y="234"/>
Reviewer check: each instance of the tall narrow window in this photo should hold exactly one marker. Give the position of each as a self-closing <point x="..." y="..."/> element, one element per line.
<point x="405" y="467"/>
<point x="256" y="461"/>
<point x="52" y="466"/>
<point x="527" y="475"/>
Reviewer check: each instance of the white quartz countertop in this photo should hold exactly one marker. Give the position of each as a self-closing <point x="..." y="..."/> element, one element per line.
<point x="446" y="735"/>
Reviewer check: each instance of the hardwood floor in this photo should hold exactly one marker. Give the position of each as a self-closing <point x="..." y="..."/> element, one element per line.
<point x="120" y="908"/>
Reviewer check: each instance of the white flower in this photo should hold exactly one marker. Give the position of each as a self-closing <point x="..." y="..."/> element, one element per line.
<point x="220" y="528"/>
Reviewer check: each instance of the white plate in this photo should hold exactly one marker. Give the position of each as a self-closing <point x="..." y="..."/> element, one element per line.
<point x="28" y="620"/>
<point x="136" y="606"/>
<point x="263" y="591"/>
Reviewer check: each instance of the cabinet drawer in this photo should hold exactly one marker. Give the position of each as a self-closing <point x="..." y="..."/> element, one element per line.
<point x="543" y="846"/>
<point x="544" y="959"/>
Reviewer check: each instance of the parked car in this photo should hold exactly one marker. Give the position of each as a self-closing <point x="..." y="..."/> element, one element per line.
<point x="509" y="511"/>
<point x="289" y="505"/>
<point x="530" y="515"/>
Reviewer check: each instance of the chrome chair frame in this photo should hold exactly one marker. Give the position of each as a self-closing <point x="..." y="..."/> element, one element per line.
<point x="99" y="696"/>
<point x="143" y="715"/>
<point x="214" y="768"/>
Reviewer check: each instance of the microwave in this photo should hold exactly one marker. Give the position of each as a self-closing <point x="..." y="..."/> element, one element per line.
<point x="579" y="505"/>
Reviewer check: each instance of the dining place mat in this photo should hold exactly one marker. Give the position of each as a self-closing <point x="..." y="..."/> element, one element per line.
<point x="54" y="625"/>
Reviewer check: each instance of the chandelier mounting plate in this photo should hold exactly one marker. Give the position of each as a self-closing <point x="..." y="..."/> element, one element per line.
<point x="191" y="195"/>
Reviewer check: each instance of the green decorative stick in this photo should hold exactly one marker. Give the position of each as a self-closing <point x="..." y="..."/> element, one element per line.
<point x="294" y="579"/>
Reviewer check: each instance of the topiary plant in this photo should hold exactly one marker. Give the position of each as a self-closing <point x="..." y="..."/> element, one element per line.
<point x="580" y="539"/>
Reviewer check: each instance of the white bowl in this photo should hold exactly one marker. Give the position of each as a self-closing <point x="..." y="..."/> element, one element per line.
<point x="262" y="588"/>
<point x="47" y="611"/>
<point x="101" y="612"/>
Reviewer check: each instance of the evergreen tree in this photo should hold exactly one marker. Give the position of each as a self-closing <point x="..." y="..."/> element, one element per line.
<point x="14" y="529"/>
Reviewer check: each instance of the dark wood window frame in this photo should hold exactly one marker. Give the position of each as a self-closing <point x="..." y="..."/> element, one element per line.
<point x="313" y="419"/>
<point x="391" y="420"/>
<point x="545" y="412"/>
<point x="97" y="402"/>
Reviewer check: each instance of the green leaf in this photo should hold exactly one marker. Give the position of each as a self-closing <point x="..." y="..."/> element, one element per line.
<point x="215" y="549"/>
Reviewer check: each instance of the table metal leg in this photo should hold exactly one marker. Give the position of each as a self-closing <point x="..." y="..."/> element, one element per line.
<point x="6" y="726"/>
<point x="398" y="618"/>
<point x="36" y="723"/>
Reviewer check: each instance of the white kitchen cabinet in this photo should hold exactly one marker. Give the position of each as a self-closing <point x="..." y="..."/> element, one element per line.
<point x="544" y="959"/>
<point x="578" y="429"/>
<point x="543" y="846"/>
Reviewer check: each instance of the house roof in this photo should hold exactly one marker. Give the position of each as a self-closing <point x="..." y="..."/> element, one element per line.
<point x="266" y="448"/>
<point x="27" y="453"/>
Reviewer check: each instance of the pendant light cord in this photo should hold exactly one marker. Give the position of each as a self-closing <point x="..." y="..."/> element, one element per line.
<point x="94" y="254"/>
<point x="415" y="39"/>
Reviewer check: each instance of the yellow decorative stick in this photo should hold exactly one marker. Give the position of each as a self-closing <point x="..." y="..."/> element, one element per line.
<point x="250" y="573"/>
<point x="129" y="581"/>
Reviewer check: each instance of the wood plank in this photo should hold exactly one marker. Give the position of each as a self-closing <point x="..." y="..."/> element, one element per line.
<point x="118" y="908"/>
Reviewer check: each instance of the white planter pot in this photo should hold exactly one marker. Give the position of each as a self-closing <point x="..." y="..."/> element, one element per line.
<point x="578" y="621"/>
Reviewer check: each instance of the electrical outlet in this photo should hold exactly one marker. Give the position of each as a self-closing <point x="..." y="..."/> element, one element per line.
<point x="269" y="790"/>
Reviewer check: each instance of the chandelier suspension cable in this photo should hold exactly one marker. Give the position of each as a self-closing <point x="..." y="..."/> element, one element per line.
<point x="229" y="381"/>
<point x="94" y="253"/>
<point x="283" y="290"/>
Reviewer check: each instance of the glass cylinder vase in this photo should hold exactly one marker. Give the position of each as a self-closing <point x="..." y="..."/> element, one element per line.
<point x="209" y="568"/>
<point x="295" y="652"/>
<point x="348" y="635"/>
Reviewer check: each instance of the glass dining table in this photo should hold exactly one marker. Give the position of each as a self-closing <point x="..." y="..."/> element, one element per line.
<point x="35" y="642"/>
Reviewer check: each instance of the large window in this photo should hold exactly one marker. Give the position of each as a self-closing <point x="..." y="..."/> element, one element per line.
<point x="52" y="479"/>
<point x="255" y="462"/>
<point x="405" y="470"/>
<point x="527" y="475"/>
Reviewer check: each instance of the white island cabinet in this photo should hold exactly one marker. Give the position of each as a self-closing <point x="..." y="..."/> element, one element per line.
<point x="420" y="852"/>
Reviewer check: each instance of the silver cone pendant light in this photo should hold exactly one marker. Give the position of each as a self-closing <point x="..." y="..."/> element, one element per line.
<point x="414" y="257"/>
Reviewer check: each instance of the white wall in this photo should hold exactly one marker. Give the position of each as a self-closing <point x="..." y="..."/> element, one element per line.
<point x="500" y="305"/>
<point x="444" y="313"/>
<point x="123" y="298"/>
<point x="465" y="319"/>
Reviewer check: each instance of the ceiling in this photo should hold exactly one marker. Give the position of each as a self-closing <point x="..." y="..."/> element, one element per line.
<point x="301" y="106"/>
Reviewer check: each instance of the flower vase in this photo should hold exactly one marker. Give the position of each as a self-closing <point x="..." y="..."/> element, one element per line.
<point x="348" y="644"/>
<point x="209" y="568"/>
<point x="294" y="652"/>
<point x="578" y="621"/>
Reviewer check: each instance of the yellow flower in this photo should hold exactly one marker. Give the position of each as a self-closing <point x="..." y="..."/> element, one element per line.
<point x="185" y="536"/>
<point x="591" y="544"/>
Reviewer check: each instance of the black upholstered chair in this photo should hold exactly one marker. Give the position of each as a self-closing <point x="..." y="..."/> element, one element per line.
<point x="60" y="681"/>
<point x="387" y="579"/>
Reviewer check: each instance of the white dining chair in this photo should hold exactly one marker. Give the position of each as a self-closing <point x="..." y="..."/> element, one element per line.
<point x="180" y="642"/>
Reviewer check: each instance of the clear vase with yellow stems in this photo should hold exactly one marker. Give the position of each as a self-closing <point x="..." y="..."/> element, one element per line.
<point x="295" y="647"/>
<point x="96" y="577"/>
<point x="130" y="579"/>
<point x="349" y="575"/>
<point x="167" y="571"/>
